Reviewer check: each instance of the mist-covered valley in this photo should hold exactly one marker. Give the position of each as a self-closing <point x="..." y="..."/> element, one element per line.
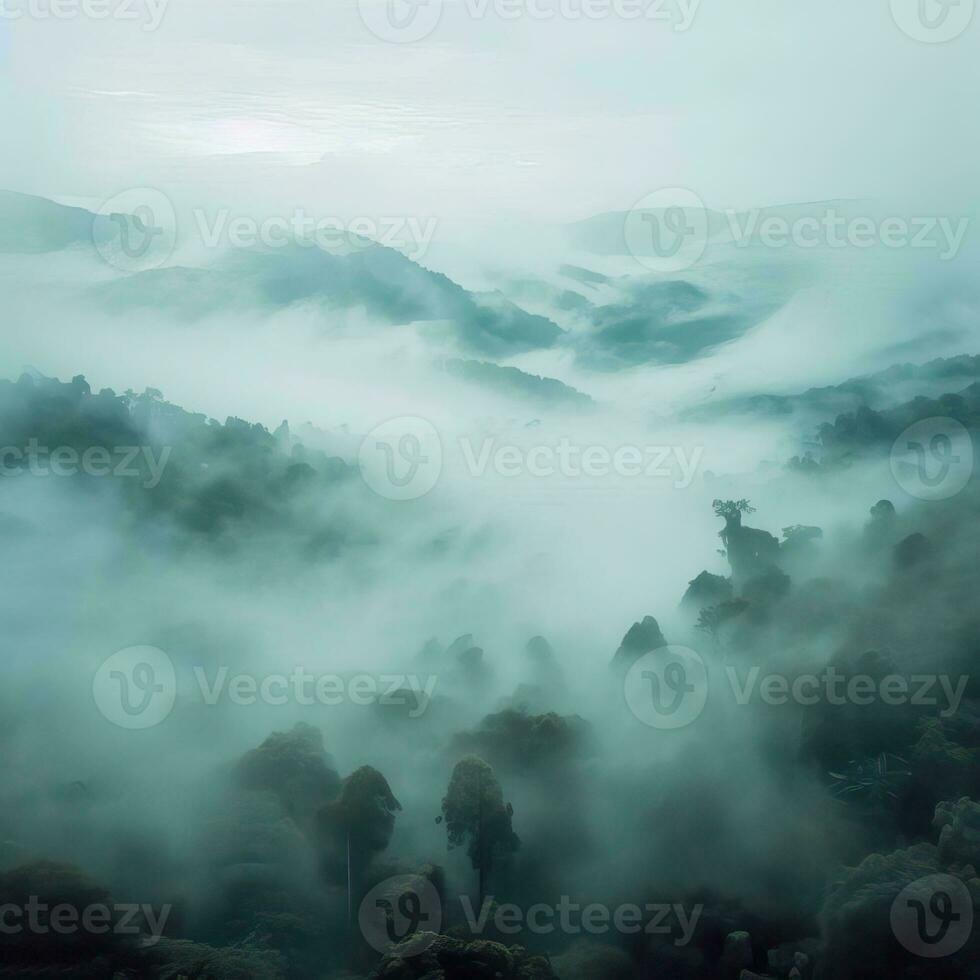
<point x="341" y="609"/>
<point x="488" y="494"/>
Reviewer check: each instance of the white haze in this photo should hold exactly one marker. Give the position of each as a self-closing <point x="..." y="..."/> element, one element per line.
<point x="505" y="134"/>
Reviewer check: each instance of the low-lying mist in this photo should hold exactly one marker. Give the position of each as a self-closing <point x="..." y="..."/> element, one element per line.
<point x="397" y="553"/>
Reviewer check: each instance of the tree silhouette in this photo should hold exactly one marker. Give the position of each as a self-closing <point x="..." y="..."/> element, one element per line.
<point x="712" y="618"/>
<point x="475" y="814"/>
<point x="732" y="510"/>
<point x="363" y="816"/>
<point x="357" y="826"/>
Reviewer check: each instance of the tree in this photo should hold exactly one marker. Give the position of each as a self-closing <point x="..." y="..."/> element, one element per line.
<point x="475" y="814"/>
<point x="358" y="825"/>
<point x="518" y="740"/>
<point x="295" y="768"/>
<point x="713" y="618"/>
<point x="799" y="533"/>
<point x="749" y="550"/>
<point x="362" y="818"/>
<point x="732" y="510"/>
<point x="882" y="525"/>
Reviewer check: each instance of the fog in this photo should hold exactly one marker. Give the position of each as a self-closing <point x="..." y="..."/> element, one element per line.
<point x="496" y="549"/>
<point x="488" y="557"/>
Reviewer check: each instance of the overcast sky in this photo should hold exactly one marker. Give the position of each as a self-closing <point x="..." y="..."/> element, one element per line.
<point x="277" y="103"/>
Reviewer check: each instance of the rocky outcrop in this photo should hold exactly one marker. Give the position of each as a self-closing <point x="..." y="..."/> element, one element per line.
<point x="706" y="590"/>
<point x="450" y="959"/>
<point x="640" y="639"/>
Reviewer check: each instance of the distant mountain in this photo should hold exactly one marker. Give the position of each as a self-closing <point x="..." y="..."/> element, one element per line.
<point x="518" y="384"/>
<point x="878" y="391"/>
<point x="866" y="433"/>
<point x="547" y="298"/>
<point x="226" y="486"/>
<point x="363" y="276"/>
<point x="623" y="321"/>
<point x="604" y="234"/>
<point x="667" y="322"/>
<point x="35" y="225"/>
<point x="588" y="277"/>
<point x="380" y="281"/>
